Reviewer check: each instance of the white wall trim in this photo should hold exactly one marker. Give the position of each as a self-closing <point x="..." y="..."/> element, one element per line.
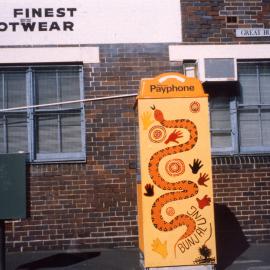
<point x="241" y="51"/>
<point x="49" y="54"/>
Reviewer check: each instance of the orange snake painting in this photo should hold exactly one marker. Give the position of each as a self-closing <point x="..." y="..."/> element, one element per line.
<point x="180" y="190"/>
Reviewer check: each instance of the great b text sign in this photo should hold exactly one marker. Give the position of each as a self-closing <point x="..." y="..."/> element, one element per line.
<point x="252" y="32"/>
<point x="176" y="191"/>
<point x="36" y="22"/>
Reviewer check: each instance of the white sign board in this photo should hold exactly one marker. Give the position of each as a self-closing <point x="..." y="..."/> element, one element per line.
<point x="49" y="22"/>
<point x="252" y="32"/>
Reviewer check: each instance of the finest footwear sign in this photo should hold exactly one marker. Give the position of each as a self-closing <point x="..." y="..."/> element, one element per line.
<point x="70" y="22"/>
<point x="26" y="19"/>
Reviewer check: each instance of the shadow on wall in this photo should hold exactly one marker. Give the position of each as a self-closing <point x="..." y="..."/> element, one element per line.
<point x="231" y="241"/>
<point x="59" y="260"/>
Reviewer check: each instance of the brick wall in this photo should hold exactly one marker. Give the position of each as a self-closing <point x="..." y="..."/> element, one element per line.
<point x="201" y="20"/>
<point x="242" y="184"/>
<point x="209" y="20"/>
<point x="93" y="204"/>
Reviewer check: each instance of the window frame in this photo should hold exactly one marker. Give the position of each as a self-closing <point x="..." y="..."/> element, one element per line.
<point x="233" y="131"/>
<point x="234" y="108"/>
<point x="259" y="107"/>
<point x="4" y="72"/>
<point x="31" y="114"/>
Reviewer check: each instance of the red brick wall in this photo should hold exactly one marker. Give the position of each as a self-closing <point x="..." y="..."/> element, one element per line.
<point x="206" y="20"/>
<point x="242" y="184"/>
<point x="93" y="204"/>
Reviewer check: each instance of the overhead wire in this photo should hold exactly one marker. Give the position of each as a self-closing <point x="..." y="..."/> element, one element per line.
<point x="67" y="102"/>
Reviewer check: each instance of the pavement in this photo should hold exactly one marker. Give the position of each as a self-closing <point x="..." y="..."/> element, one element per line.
<point x="255" y="257"/>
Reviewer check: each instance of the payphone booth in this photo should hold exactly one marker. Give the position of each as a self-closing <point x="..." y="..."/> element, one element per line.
<point x="175" y="196"/>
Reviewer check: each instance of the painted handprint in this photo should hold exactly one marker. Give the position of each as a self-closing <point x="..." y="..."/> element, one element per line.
<point x="160" y="248"/>
<point x="146" y="120"/>
<point x="205" y="201"/>
<point x="174" y="136"/>
<point x="202" y="179"/>
<point x="196" y="166"/>
<point x="149" y="190"/>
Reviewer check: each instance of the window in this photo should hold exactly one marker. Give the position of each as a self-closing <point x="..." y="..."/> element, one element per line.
<point x="254" y="107"/>
<point x="220" y="122"/>
<point x="46" y="133"/>
<point x="241" y="123"/>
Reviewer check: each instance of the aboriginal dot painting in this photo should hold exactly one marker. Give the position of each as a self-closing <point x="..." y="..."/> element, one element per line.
<point x="175" y="167"/>
<point x="157" y="134"/>
<point x="177" y="193"/>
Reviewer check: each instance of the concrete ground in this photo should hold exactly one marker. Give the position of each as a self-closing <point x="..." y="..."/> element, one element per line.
<point x="110" y="259"/>
<point x="256" y="257"/>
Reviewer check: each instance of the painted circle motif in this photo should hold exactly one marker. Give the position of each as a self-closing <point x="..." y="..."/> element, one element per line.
<point x="194" y="107"/>
<point x="170" y="211"/>
<point x="175" y="167"/>
<point x="157" y="134"/>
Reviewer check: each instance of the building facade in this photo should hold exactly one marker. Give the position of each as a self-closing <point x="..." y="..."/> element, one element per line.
<point x="59" y="61"/>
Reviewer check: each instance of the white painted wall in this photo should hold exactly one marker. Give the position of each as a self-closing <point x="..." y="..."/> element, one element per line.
<point x="95" y="21"/>
<point x="201" y="52"/>
<point x="47" y="55"/>
<point x="237" y="51"/>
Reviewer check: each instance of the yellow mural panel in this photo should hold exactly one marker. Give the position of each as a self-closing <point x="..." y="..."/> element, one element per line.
<point x="177" y="208"/>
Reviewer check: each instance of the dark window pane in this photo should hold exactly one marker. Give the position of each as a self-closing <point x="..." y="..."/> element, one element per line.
<point x="58" y="133"/>
<point x="221" y="141"/>
<point x="265" y="115"/>
<point x="2" y="145"/>
<point x="265" y="89"/>
<point x="47" y="134"/>
<point x="1" y="91"/>
<point x="220" y="121"/>
<point x="56" y="86"/>
<point x="249" y="89"/>
<point x="249" y="124"/>
<point x="264" y="69"/>
<point x="16" y="134"/>
<point x="71" y="133"/>
<point x="45" y="87"/>
<point x="69" y="85"/>
<point x="14" y="89"/>
<point x="247" y="69"/>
